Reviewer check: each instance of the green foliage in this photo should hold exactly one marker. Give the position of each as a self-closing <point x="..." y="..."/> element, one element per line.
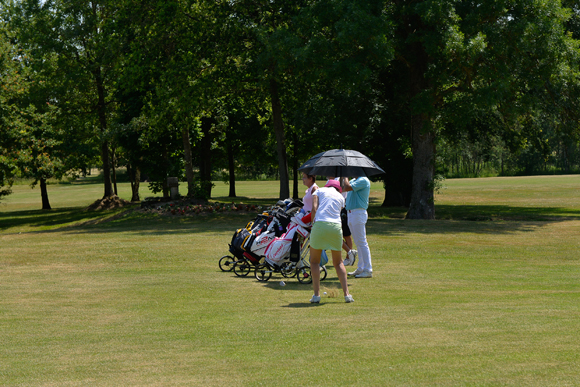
<point x="413" y="84"/>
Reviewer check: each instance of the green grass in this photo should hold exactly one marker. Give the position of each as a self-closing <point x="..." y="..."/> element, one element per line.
<point x="138" y="300"/>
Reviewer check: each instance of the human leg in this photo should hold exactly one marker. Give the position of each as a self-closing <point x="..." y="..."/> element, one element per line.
<point x="315" y="269"/>
<point x="340" y="270"/>
<point x="357" y="223"/>
<point x="347" y="241"/>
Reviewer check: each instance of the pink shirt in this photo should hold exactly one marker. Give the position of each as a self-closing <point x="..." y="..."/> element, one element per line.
<point x="307" y="199"/>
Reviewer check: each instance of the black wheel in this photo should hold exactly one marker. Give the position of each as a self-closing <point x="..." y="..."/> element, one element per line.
<point x="242" y="268"/>
<point x="288" y="270"/>
<point x="323" y="273"/>
<point x="227" y="263"/>
<point x="303" y="275"/>
<point x="263" y="272"/>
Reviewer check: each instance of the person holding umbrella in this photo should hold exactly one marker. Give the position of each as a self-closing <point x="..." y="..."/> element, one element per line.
<point x="357" y="203"/>
<point x="345" y="162"/>
<point x="326" y="234"/>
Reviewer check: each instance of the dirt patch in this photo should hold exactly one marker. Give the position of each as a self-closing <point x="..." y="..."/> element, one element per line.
<point x="108" y="203"/>
<point x="190" y="207"/>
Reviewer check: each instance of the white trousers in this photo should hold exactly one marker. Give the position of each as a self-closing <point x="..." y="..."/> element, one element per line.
<point x="357" y="220"/>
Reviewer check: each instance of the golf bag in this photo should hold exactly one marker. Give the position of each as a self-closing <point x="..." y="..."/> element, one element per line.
<point x="279" y="248"/>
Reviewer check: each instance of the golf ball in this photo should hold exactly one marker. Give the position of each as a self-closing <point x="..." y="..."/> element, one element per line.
<point x="282" y="283"/>
<point x="325" y="293"/>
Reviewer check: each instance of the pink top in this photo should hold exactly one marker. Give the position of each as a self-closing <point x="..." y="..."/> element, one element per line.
<point x="307" y="199"/>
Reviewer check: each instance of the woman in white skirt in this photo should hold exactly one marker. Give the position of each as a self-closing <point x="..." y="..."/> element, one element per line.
<point x="326" y="234"/>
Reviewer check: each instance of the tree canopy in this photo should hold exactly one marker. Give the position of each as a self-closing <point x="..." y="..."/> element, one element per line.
<point x="202" y="89"/>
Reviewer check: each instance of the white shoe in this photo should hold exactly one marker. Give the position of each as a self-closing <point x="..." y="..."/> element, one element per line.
<point x="348" y="298"/>
<point x="364" y="274"/>
<point x="350" y="258"/>
<point x="315" y="299"/>
<point x="356" y="272"/>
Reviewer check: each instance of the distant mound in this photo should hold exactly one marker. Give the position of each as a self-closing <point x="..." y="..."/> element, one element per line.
<point x="108" y="203"/>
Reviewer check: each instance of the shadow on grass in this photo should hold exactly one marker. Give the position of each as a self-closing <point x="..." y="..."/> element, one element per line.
<point x="484" y="213"/>
<point x="47" y="219"/>
<point x="303" y="305"/>
<point x="383" y="220"/>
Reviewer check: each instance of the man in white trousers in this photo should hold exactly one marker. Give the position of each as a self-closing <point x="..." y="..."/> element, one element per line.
<point x="357" y="203"/>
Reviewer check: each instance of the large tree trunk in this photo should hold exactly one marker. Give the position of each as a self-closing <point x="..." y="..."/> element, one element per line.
<point x="188" y="161"/>
<point x="422" y="204"/>
<point x="280" y="140"/>
<point x="423" y="144"/>
<point x="44" y="195"/>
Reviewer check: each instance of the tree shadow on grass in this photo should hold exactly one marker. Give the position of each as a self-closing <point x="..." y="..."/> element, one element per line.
<point x="508" y="213"/>
<point x="42" y="219"/>
<point x="382" y="222"/>
<point x="484" y="213"/>
<point x="469" y="219"/>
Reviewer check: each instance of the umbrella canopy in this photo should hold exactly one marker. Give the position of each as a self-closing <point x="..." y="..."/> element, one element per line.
<point x="341" y="163"/>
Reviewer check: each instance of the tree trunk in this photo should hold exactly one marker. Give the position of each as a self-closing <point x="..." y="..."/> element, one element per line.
<point x="231" y="169"/>
<point x="135" y="178"/>
<point x="102" y="114"/>
<point x="205" y="153"/>
<point x="166" y="165"/>
<point x="422" y="198"/>
<point x="280" y="140"/>
<point x="106" y="170"/>
<point x="114" y="171"/>
<point x="422" y="204"/>
<point x="188" y="161"/>
<point x="44" y="195"/>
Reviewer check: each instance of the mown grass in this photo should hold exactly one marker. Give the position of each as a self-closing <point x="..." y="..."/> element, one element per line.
<point x="139" y="300"/>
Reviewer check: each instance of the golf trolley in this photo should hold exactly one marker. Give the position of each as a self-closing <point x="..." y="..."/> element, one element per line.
<point x="290" y="267"/>
<point x="248" y="244"/>
<point x="241" y="260"/>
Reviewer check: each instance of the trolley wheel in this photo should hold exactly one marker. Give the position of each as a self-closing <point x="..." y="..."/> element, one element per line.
<point x="227" y="263"/>
<point x="242" y="268"/>
<point x="263" y="272"/>
<point x="303" y="274"/>
<point x="287" y="270"/>
<point x="323" y="273"/>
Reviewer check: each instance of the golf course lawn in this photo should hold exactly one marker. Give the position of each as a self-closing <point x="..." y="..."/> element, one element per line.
<point x="488" y="294"/>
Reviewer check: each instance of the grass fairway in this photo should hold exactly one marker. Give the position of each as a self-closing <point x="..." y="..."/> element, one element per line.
<point x="487" y="295"/>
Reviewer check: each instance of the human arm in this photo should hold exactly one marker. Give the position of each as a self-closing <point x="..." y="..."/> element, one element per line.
<point x="314" y="207"/>
<point x="345" y="184"/>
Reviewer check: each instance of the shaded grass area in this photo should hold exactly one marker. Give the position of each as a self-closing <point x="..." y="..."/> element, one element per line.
<point x="26" y="221"/>
<point x="519" y="199"/>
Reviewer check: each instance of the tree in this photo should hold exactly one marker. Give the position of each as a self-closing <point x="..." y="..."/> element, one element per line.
<point x="11" y="84"/>
<point x="78" y="34"/>
<point x="31" y="145"/>
<point x="458" y="56"/>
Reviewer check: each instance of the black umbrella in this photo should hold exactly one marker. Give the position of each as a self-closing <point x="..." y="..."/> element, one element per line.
<point x="341" y="163"/>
